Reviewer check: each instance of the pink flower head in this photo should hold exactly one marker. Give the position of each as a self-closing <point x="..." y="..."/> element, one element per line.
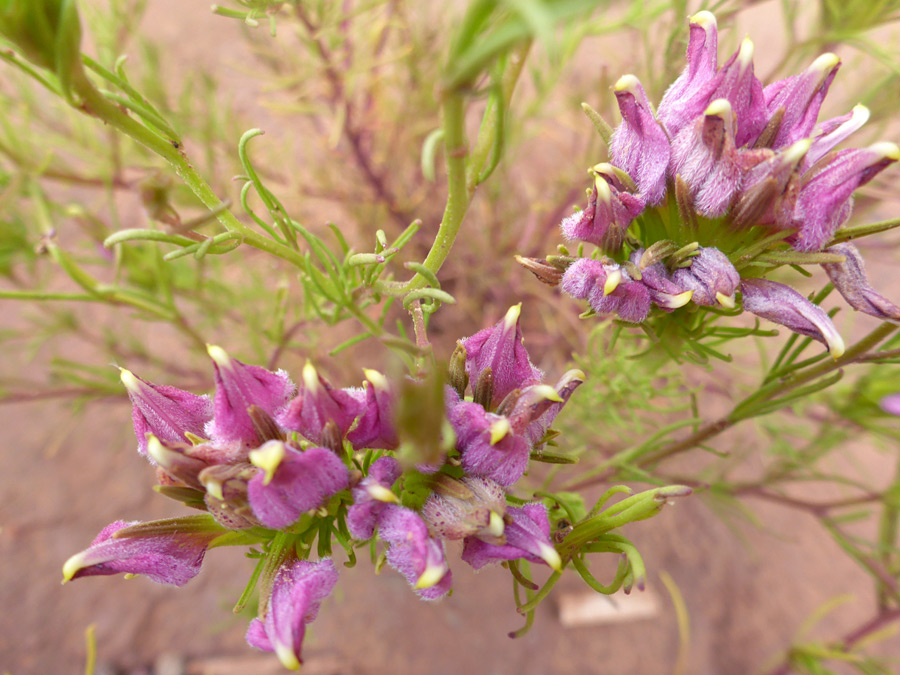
<point x="413" y="553"/>
<point x="319" y="405"/>
<point x="527" y="536"/>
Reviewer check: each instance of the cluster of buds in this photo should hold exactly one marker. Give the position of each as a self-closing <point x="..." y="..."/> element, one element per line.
<point x="700" y="193"/>
<point x="276" y="465"/>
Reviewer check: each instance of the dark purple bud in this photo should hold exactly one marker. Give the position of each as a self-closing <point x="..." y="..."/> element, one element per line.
<point x="687" y="96"/>
<point x="849" y="278"/>
<point x="488" y="445"/>
<point x="297" y="591"/>
<point x="292" y="482"/>
<point x="527" y="536"/>
<point x="830" y="133"/>
<point x="782" y="304"/>
<point x="639" y="145"/>
<point x="239" y="386"/>
<point x="502" y="349"/>
<point x="711" y="277"/>
<point x="824" y="200"/>
<point x="801" y="98"/>
<point x="413" y="553"/>
<point x="317" y="404"/>
<point x="166" y="412"/>
<point x="769" y="188"/>
<point x="171" y="557"/>
<point x="371" y="496"/>
<point x="375" y="427"/>
<point x="470" y="507"/>
<point x="609" y="212"/>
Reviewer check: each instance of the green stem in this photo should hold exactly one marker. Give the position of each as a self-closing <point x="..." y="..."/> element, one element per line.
<point x="887" y="537"/>
<point x="94" y="103"/>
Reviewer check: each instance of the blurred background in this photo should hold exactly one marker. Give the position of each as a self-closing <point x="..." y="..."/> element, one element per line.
<point x="345" y="93"/>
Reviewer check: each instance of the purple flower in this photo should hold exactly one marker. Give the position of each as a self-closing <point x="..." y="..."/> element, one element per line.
<point x="800" y="97"/>
<point x="239" y="386"/>
<point x="319" y="407"/>
<point x="824" y="200"/>
<point x="502" y="349"/>
<point x="166" y="412"/>
<point x="705" y="157"/>
<point x="679" y="105"/>
<point x="472" y="506"/>
<point x="375" y="427"/>
<point x="664" y="291"/>
<point x="227" y="497"/>
<point x="769" y="187"/>
<point x="413" y="553"/>
<point x="831" y="132"/>
<point x="297" y="591"/>
<point x="849" y="278"/>
<point x="639" y="145"/>
<point x="782" y="304"/>
<point x="173" y="556"/>
<point x="711" y="277"/>
<point x="544" y="410"/>
<point x="371" y="496"/>
<point x="610" y="210"/>
<point x="608" y="287"/>
<point x="488" y="445"/>
<point x="527" y="536"/>
<point x="737" y="84"/>
<point x="292" y="482"/>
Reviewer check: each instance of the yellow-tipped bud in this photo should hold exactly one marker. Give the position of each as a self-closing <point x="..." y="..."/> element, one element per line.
<point x="825" y="63"/>
<point x="268" y="458"/>
<point x="431" y="576"/>
<point x="496" y="526"/>
<point x="286" y="656"/>
<point x="382" y="494"/>
<point x="719" y="108"/>
<point x="627" y="83"/>
<point x="613" y="279"/>
<point x="218" y="355"/>
<point x="378" y="380"/>
<point x="550" y="556"/>
<point x="499" y="430"/>
<point x="604" y="194"/>
<point x="310" y="376"/>
<point x="548" y="393"/>
<point x="131" y="383"/>
<point x="512" y="316"/>
<point x="72" y="565"/>
<point x="213" y="487"/>
<point x="745" y="55"/>
<point x="704" y="19"/>
<point x="156" y="450"/>
<point x="886" y="149"/>
<point x="727" y="301"/>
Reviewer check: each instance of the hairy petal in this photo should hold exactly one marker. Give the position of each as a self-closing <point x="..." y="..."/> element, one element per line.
<point x="849" y="278"/>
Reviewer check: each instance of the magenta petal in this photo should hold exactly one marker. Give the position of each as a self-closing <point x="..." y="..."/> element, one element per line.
<point x="239" y="386"/>
<point x="639" y="145"/>
<point x="413" y="553"/>
<point x="686" y="97"/>
<point x="801" y="97"/>
<point x="303" y="481"/>
<point x="782" y="304"/>
<point x="504" y="462"/>
<point x="502" y="349"/>
<point x="297" y="591"/>
<point x="166" y="412"/>
<point x="849" y="278"/>
<point x="609" y="212"/>
<point x="527" y="536"/>
<point x="824" y="201"/>
<point x="375" y="427"/>
<point x="369" y="497"/>
<point x="166" y="559"/>
<point x="317" y="404"/>
<point x="711" y="277"/>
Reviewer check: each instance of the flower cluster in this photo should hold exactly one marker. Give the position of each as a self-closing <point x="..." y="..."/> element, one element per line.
<point x="277" y="465"/>
<point x="723" y="173"/>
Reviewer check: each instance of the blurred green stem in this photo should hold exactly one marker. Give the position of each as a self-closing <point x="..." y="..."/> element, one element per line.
<point x="94" y="103"/>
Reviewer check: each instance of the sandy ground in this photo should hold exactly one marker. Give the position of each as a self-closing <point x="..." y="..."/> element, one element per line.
<point x="747" y="592"/>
